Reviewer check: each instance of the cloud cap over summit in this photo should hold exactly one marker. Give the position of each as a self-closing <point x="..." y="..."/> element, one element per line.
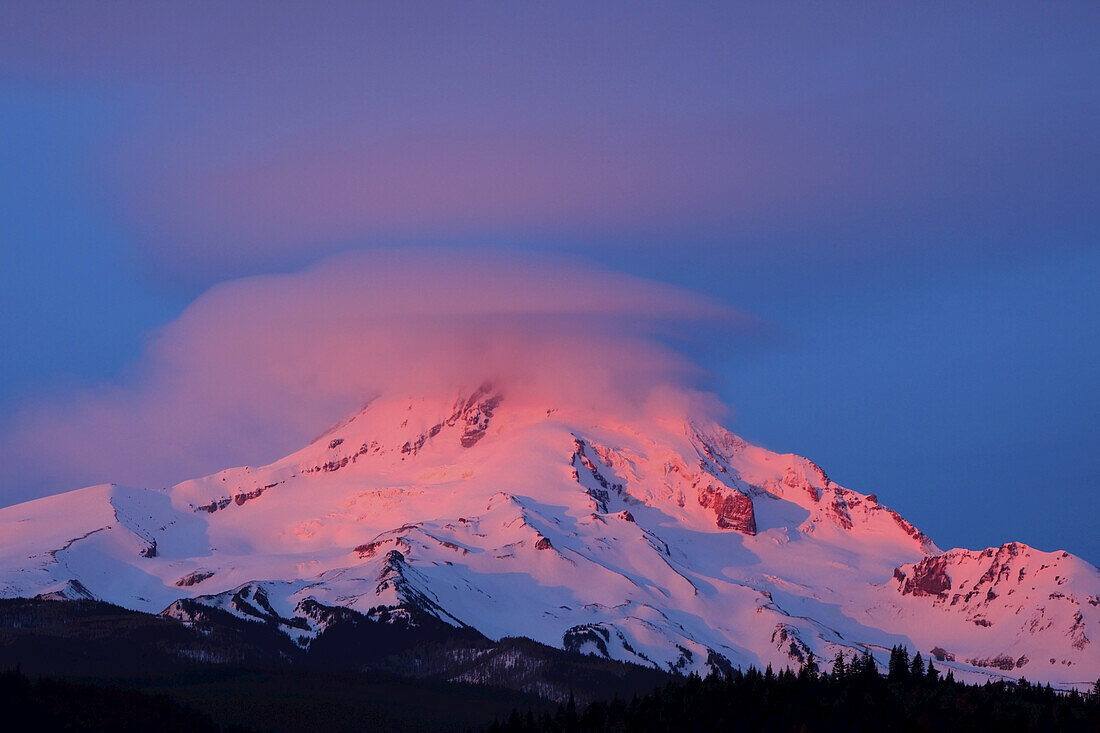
<point x="256" y="366"/>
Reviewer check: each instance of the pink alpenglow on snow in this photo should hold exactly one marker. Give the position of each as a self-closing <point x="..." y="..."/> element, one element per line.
<point x="648" y="535"/>
<point x="531" y="460"/>
<point x="257" y="366"/>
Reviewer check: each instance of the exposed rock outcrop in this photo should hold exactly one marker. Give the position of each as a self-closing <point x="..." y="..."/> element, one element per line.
<point x="732" y="509"/>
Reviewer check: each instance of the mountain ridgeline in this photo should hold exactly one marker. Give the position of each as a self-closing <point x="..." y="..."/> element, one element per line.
<point x="853" y="695"/>
<point x="655" y="542"/>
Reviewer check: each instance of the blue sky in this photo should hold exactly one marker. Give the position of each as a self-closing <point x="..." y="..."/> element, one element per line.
<point x="903" y="196"/>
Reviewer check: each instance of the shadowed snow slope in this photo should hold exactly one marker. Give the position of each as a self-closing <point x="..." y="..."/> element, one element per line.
<point x="659" y="539"/>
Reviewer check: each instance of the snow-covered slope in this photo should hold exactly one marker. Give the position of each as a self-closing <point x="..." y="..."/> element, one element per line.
<point x="665" y="541"/>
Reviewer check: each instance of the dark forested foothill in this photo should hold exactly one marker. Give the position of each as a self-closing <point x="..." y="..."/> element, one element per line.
<point x="50" y="704"/>
<point x="852" y="696"/>
<point x="99" y="640"/>
<point x="87" y="665"/>
<point x="358" y="675"/>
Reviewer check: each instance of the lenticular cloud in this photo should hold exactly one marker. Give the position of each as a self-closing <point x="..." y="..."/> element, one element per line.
<point x="255" y="367"/>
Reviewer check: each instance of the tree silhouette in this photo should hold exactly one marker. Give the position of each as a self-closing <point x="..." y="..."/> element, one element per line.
<point x="853" y="697"/>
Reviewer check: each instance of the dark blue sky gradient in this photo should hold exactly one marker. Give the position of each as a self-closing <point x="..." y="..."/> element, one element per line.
<point x="904" y="194"/>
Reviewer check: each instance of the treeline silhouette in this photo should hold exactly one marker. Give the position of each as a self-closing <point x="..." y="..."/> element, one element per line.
<point x="236" y="700"/>
<point x="850" y="696"/>
<point x="49" y="704"/>
<point x="97" y="640"/>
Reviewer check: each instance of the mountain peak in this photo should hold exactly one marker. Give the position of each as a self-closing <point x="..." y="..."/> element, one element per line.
<point x="658" y="538"/>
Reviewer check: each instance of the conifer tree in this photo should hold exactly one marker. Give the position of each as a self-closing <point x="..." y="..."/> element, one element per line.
<point x="840" y="671"/>
<point x="809" y="669"/>
<point x="917" y="670"/>
<point x="899" y="663"/>
<point x="867" y="665"/>
<point x="931" y="674"/>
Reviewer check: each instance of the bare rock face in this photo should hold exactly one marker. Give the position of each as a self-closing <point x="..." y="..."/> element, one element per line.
<point x="732" y="509"/>
<point x="1011" y="592"/>
<point x="787" y="640"/>
<point x="601" y="492"/>
<point x="150" y="550"/>
<point x="476" y="414"/>
<point x="797" y="478"/>
<point x="637" y="533"/>
<point x="194" y="578"/>
<point x="921" y="537"/>
<point x="999" y="661"/>
<point x="838" y="511"/>
<point x="472" y="415"/>
<point x="927" y="578"/>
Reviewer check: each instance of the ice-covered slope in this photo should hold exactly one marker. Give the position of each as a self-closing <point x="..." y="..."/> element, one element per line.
<point x="666" y="541"/>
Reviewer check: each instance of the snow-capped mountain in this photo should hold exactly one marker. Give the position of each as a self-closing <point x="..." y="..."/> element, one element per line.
<point x="661" y="540"/>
